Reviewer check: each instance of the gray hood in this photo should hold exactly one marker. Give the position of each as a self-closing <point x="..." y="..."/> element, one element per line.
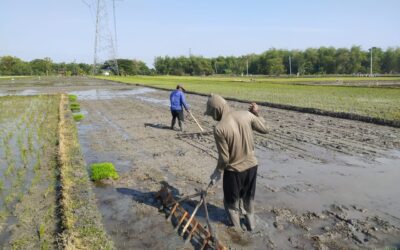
<point x="216" y="107"/>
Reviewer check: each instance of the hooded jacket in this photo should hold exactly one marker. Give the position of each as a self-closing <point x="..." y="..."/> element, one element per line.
<point x="234" y="135"/>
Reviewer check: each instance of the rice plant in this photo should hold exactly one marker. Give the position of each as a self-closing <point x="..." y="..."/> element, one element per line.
<point x="72" y="98"/>
<point x="75" y="107"/>
<point x="104" y="170"/>
<point x="78" y="117"/>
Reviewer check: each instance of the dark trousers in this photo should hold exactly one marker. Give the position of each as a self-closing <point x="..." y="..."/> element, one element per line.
<point x="177" y="114"/>
<point x="240" y="186"/>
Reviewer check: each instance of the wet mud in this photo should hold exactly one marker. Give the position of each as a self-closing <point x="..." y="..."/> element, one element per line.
<point x="323" y="182"/>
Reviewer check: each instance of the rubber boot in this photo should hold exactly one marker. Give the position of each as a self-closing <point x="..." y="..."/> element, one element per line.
<point x="235" y="219"/>
<point x="181" y="126"/>
<point x="249" y="215"/>
<point x="172" y="123"/>
<point x="250" y="221"/>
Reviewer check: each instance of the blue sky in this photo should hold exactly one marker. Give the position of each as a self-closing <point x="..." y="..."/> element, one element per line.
<point x="64" y="29"/>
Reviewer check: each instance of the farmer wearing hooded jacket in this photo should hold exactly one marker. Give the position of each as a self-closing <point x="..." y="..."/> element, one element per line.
<point x="234" y="138"/>
<point x="178" y="102"/>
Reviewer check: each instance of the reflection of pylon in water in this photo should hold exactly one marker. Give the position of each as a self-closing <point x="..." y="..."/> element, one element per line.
<point x="104" y="43"/>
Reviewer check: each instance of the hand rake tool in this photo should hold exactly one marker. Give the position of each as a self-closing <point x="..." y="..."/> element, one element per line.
<point x="188" y="224"/>
<point x="201" y="129"/>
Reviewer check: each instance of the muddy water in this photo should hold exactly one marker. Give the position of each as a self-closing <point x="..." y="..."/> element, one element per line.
<point x="322" y="183"/>
<point x="306" y="187"/>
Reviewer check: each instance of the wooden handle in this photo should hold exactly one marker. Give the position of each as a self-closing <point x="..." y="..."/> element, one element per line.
<point x="196" y="121"/>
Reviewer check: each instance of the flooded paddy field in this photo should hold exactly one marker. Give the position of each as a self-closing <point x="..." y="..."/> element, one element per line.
<point x="28" y="133"/>
<point x="323" y="183"/>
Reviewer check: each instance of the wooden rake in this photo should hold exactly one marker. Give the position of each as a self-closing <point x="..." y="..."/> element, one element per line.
<point x="188" y="224"/>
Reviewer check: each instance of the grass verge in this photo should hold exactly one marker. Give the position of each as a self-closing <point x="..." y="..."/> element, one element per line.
<point x="81" y="221"/>
<point x="375" y="102"/>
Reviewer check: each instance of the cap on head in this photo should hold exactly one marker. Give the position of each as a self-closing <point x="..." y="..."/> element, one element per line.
<point x="180" y="86"/>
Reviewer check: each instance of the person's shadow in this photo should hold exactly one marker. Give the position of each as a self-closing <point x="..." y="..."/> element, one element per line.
<point x="216" y="214"/>
<point x="157" y="125"/>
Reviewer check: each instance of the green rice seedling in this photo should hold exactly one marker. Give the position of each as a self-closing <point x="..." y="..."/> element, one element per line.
<point x="19" y="139"/>
<point x="8" y="152"/>
<point x="24" y="155"/>
<point x="104" y="170"/>
<point x="3" y="215"/>
<point x="30" y="140"/>
<point x="9" y="198"/>
<point x="41" y="231"/>
<point x="1" y="185"/>
<point x="20" y="196"/>
<point x="21" y="174"/>
<point x="72" y="98"/>
<point x="78" y="117"/>
<point x="36" y="167"/>
<point x="10" y="169"/>
<point x="75" y="107"/>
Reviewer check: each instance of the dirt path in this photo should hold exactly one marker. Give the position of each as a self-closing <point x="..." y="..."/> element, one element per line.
<point x="322" y="182"/>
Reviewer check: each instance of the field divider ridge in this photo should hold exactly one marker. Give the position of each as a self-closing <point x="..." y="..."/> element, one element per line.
<point x="80" y="218"/>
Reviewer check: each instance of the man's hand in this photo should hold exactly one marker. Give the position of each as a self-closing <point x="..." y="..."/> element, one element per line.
<point x="253" y="108"/>
<point x="216" y="176"/>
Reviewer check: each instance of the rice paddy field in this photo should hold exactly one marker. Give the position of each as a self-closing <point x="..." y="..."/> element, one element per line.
<point x="28" y="176"/>
<point x="43" y="180"/>
<point x="323" y="182"/>
<point x="377" y="97"/>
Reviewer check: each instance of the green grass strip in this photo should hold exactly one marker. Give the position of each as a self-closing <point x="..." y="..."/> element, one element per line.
<point x="81" y="219"/>
<point x="377" y="102"/>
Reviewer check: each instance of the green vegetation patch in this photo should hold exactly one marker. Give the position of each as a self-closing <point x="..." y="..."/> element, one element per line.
<point x="377" y="102"/>
<point x="75" y="107"/>
<point x="28" y="170"/>
<point x="72" y="98"/>
<point x="80" y="217"/>
<point x="78" y="117"/>
<point x="103" y="170"/>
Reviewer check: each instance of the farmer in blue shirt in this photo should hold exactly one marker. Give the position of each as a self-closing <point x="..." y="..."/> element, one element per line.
<point x="178" y="102"/>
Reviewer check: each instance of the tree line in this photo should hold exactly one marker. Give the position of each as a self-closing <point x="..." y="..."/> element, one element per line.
<point x="13" y="66"/>
<point x="323" y="60"/>
<point x="312" y="61"/>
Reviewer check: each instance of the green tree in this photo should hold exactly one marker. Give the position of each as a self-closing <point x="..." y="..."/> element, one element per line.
<point x="357" y="57"/>
<point x="12" y="66"/>
<point x="342" y="61"/>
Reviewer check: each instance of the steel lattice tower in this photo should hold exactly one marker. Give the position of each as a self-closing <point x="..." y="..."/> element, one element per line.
<point x="105" y="41"/>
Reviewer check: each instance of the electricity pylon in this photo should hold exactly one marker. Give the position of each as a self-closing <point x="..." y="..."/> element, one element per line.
<point x="105" y="42"/>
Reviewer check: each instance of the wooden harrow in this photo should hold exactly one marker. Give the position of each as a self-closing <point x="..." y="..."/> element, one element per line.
<point x="185" y="222"/>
